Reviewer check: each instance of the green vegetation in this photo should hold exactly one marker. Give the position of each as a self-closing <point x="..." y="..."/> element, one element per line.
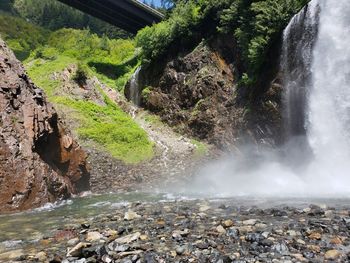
<point x="81" y="75"/>
<point x="108" y="125"/>
<point x="201" y="148"/>
<point x="49" y="44"/>
<point x="146" y="92"/>
<point x="113" y="61"/>
<point x="54" y="15"/>
<point x="21" y="36"/>
<point x="153" y="119"/>
<point x="155" y="40"/>
<point x="256" y="25"/>
<point x="111" y="128"/>
<point x="40" y="71"/>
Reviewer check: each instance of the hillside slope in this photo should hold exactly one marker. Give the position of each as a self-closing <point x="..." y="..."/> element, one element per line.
<point x="211" y="70"/>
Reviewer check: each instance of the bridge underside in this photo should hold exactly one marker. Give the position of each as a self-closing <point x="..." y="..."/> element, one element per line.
<point x="129" y="15"/>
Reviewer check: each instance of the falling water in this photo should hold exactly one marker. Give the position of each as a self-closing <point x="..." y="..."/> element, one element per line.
<point x="315" y="162"/>
<point x="329" y="101"/>
<point x="298" y="41"/>
<point x="135" y="93"/>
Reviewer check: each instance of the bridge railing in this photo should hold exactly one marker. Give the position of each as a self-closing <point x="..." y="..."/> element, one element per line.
<point x="148" y="8"/>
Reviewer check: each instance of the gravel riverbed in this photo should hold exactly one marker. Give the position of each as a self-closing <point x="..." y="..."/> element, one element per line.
<point x="198" y="231"/>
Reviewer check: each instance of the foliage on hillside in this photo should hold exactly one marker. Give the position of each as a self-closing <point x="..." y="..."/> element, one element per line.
<point x="255" y="25"/>
<point x="54" y="15"/>
<point x="6" y="5"/>
<point x="21" y="36"/>
<point x="156" y="39"/>
<point x="113" y="61"/>
<point x="108" y="126"/>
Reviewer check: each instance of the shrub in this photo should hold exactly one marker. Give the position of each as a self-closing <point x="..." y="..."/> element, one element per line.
<point x="156" y="39"/>
<point x="48" y="53"/>
<point x="255" y="25"/>
<point x="82" y="74"/>
<point x="145" y="93"/>
<point x="21" y="36"/>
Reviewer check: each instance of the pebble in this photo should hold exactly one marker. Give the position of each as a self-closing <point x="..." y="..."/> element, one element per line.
<point x="41" y="256"/>
<point x="249" y="222"/>
<point x="131" y="215"/>
<point x="143" y="237"/>
<point x="73" y="242"/>
<point x="292" y="233"/>
<point x="336" y="241"/>
<point x="301" y="242"/>
<point x="227" y="223"/>
<point x="176" y="232"/>
<point x="332" y="254"/>
<point x="220" y="229"/>
<point x="245" y="229"/>
<point x="93" y="236"/>
<point x="280" y="248"/>
<point x="314" y="248"/>
<point x="315" y="236"/>
<point x="180" y="250"/>
<point x="204" y="208"/>
<point x="77" y="250"/>
<point x="129" y="238"/>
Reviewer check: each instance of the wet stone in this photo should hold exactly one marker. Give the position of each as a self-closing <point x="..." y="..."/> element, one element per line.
<point x="332" y="254"/>
<point x="178" y="232"/>
<point x="280" y="248"/>
<point x="254" y="237"/>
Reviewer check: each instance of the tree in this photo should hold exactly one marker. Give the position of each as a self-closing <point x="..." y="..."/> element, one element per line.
<point x="54" y="15"/>
<point x="6" y="5"/>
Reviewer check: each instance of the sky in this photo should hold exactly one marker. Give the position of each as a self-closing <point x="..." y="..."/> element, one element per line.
<point x="156" y="2"/>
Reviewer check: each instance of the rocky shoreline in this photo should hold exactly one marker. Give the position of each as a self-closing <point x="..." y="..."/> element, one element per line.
<point x="200" y="231"/>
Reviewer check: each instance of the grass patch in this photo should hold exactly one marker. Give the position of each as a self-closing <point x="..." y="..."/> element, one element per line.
<point x="201" y="148"/>
<point x="111" y="128"/>
<point x="41" y="70"/>
<point x="153" y="119"/>
<point x="108" y="126"/>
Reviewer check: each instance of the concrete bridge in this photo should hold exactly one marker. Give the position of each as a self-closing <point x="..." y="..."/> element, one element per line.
<point x="130" y="15"/>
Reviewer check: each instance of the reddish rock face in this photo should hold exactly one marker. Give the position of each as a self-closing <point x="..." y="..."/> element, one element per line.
<point x="39" y="160"/>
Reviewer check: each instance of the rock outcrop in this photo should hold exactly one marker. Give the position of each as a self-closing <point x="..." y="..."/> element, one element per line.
<point x="197" y="93"/>
<point x="39" y="160"/>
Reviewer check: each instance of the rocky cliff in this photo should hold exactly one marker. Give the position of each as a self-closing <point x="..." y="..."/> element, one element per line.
<point x="197" y="93"/>
<point x="39" y="160"/>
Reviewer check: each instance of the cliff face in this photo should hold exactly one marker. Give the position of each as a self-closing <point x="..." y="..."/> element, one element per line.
<point x="39" y="160"/>
<point x="198" y="94"/>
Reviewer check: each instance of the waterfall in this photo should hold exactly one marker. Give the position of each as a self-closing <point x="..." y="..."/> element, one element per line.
<point x="315" y="162"/>
<point x="135" y="92"/>
<point x="316" y="67"/>
<point x="298" y="41"/>
<point x="329" y="100"/>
